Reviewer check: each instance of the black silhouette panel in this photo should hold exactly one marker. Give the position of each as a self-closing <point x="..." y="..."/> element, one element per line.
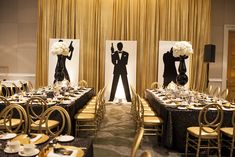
<point x="170" y="72"/>
<point x="120" y="60"/>
<point x="61" y="72"/>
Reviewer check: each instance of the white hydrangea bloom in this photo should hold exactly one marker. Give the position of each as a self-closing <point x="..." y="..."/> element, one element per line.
<point x="60" y="48"/>
<point x="182" y="48"/>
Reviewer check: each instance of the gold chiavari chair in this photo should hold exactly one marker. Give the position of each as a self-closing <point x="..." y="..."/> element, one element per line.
<point x="14" y="122"/>
<point x="137" y="141"/>
<point x="224" y="94"/>
<point x="4" y="88"/>
<point x="134" y="109"/>
<point x="207" y="134"/>
<point x="4" y="101"/>
<point x="154" y="85"/>
<point x="228" y="136"/>
<point x="65" y="121"/>
<point x="101" y="105"/>
<point x="88" y="122"/>
<point x="23" y="87"/>
<point x="11" y="124"/>
<point x="83" y="84"/>
<point x="14" y="89"/>
<point x="92" y="106"/>
<point x="35" y="108"/>
<point x="216" y="92"/>
<point x="153" y="125"/>
<point x="29" y="86"/>
<point x="209" y="90"/>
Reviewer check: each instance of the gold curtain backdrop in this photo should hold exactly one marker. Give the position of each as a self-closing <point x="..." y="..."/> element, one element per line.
<point x="146" y="21"/>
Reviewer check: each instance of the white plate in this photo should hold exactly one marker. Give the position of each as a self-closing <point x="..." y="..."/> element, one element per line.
<point x="8" y="150"/>
<point x="228" y="109"/>
<point x="65" y="138"/>
<point x="66" y="102"/>
<point x="51" y="103"/>
<point x="36" y="151"/>
<point x="7" y="136"/>
<point x="181" y="108"/>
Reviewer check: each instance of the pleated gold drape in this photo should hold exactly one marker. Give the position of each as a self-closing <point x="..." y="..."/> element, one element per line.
<point x="147" y="21"/>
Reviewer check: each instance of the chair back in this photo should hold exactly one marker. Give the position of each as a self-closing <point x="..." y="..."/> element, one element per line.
<point x="133" y="93"/>
<point x="209" y="90"/>
<point x="137" y="141"/>
<point x="9" y="113"/>
<point x="65" y="119"/>
<point x="35" y="108"/>
<point x="146" y="153"/>
<point x="224" y="94"/>
<point x="29" y="86"/>
<point x="233" y="123"/>
<point x="102" y="99"/>
<point x="98" y="102"/>
<point x="83" y="84"/>
<point x="4" y="101"/>
<point x="140" y="109"/>
<point x="14" y="88"/>
<point x="216" y="92"/>
<point x="206" y="120"/>
<point x="154" y="85"/>
<point x="23" y="88"/>
<point x="4" y="88"/>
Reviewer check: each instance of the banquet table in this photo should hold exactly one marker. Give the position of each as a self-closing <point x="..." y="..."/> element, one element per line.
<point x="176" y="120"/>
<point x="71" y="106"/>
<point x="85" y="144"/>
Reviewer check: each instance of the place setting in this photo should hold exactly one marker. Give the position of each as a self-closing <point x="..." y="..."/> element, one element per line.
<point x="33" y="138"/>
<point x="23" y="144"/>
<point x="65" y="138"/>
<point x="7" y="136"/>
<point x="56" y="148"/>
<point x="14" y="147"/>
<point x="64" y="151"/>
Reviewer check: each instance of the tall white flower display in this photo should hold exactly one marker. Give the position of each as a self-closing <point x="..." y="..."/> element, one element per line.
<point x="182" y="50"/>
<point x="60" y="48"/>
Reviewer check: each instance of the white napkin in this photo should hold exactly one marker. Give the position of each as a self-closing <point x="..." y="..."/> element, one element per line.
<point x="52" y="154"/>
<point x="38" y="136"/>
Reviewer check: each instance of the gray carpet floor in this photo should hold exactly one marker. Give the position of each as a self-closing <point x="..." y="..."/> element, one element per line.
<point x="116" y="134"/>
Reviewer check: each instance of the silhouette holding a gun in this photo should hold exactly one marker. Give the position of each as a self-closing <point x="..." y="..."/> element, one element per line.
<point x="119" y="60"/>
<point x="61" y="72"/>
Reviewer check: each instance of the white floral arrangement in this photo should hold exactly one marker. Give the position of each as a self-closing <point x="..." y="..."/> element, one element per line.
<point x="60" y="48"/>
<point x="182" y="48"/>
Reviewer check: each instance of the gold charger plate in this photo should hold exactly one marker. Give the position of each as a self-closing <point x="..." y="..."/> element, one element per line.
<point x="23" y="138"/>
<point x="80" y="152"/>
<point x="192" y="107"/>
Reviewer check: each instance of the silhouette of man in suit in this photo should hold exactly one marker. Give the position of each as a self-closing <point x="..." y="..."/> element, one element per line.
<point x="119" y="60"/>
<point x="169" y="67"/>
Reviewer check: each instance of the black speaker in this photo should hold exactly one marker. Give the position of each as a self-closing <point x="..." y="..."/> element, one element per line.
<point x="209" y="53"/>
